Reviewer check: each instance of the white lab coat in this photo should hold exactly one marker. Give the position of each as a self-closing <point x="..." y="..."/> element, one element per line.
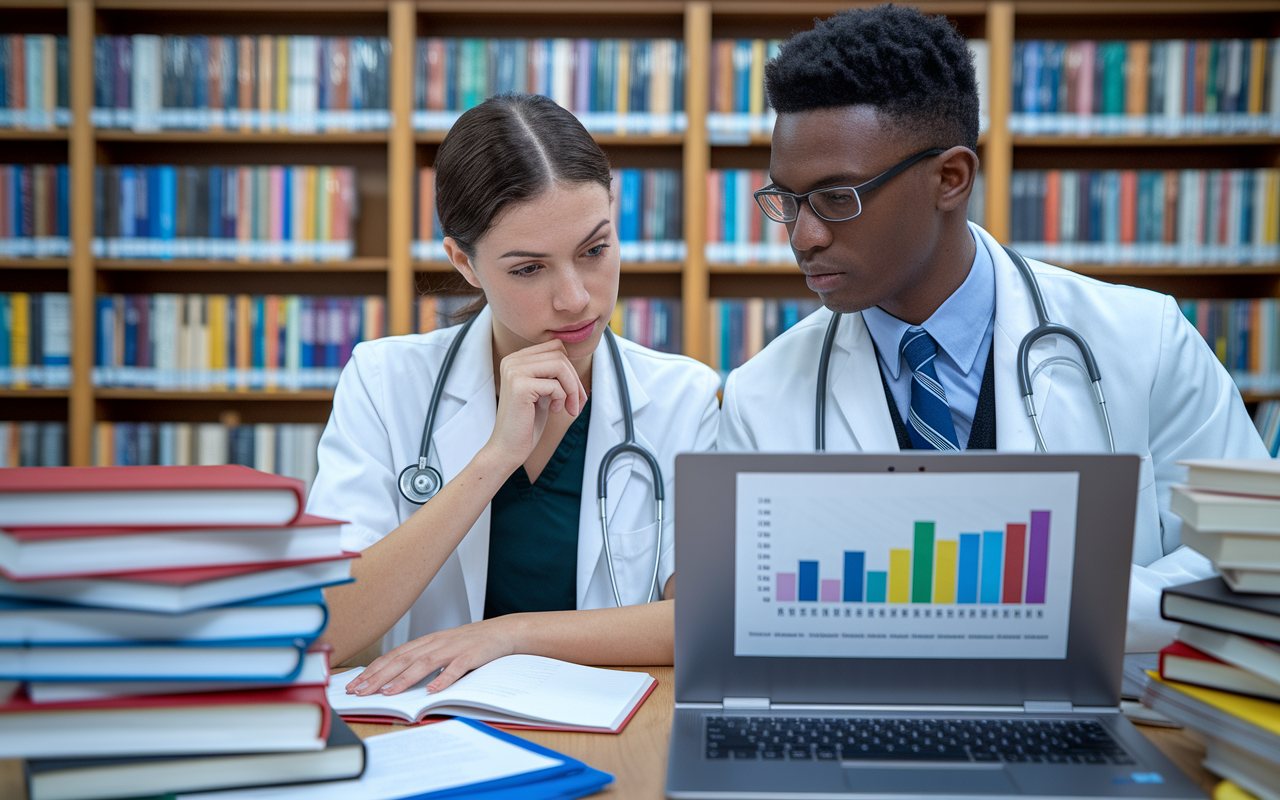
<point x="375" y="431"/>
<point x="1168" y="396"/>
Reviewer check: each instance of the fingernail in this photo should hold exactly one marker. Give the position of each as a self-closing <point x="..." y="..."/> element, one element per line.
<point x="386" y="689"/>
<point x="358" y="687"/>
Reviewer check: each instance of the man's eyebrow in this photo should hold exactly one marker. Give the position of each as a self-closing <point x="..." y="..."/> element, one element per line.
<point x="826" y="181"/>
<point x="594" y="230"/>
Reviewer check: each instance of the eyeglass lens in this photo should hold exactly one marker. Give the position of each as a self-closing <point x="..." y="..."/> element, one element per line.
<point x="833" y="205"/>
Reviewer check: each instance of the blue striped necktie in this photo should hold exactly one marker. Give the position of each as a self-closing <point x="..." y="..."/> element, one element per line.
<point x="929" y="422"/>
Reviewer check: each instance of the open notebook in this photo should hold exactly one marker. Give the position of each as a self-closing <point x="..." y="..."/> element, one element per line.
<point x="519" y="691"/>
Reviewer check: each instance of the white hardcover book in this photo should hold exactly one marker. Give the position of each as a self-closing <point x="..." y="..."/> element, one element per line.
<point x="211" y="443"/>
<point x="264" y="447"/>
<point x="183" y="439"/>
<point x="562" y="72"/>
<point x="980" y="50"/>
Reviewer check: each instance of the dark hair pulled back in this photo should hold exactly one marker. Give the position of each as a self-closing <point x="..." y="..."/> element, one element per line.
<point x="509" y="149"/>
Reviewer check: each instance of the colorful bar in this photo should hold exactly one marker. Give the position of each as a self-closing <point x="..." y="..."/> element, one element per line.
<point x="875" y="586"/>
<point x="967" y="571"/>
<point x="922" y="564"/>
<point x="786" y="587"/>
<point x="944" y="581"/>
<point x="831" y="590"/>
<point x="899" y="576"/>
<point x="808" y="581"/>
<point x="992" y="553"/>
<point x="1016" y="542"/>
<point x="854" y="561"/>
<point x="1038" y="556"/>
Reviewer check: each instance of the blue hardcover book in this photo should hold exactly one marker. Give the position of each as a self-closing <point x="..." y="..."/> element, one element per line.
<point x="286" y="211"/>
<point x="63" y="178"/>
<point x="1018" y="62"/>
<point x="1031" y="76"/>
<point x="257" y="335"/>
<point x="742" y="76"/>
<point x="451" y="74"/>
<point x="729" y="205"/>
<point x="306" y="331"/>
<point x="198" y="71"/>
<point x="677" y="77"/>
<point x="127" y="226"/>
<point x="215" y="182"/>
<point x="130" y="331"/>
<point x="167" y="207"/>
<point x="231" y="199"/>
<point x="151" y="175"/>
<point x="334" y="331"/>
<point x="6" y="327"/>
<point x="629" y="206"/>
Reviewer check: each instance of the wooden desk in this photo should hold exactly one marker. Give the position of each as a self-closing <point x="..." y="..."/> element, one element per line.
<point x="637" y="757"/>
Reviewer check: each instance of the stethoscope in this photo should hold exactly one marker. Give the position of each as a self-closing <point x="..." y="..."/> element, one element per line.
<point x="1025" y="377"/>
<point x="420" y="482"/>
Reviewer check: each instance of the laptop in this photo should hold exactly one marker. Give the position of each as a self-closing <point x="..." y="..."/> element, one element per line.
<point x="906" y="624"/>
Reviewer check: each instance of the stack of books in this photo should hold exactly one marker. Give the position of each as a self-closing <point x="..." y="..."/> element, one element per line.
<point x="157" y="628"/>
<point x="1222" y="675"/>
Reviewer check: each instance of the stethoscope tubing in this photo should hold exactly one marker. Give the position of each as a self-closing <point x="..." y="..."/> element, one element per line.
<point x="1043" y="328"/>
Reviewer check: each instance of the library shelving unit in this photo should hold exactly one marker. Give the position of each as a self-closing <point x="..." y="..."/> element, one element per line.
<point x="387" y="161"/>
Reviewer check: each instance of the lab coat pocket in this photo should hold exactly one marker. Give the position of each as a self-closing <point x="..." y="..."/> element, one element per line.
<point x="633" y="555"/>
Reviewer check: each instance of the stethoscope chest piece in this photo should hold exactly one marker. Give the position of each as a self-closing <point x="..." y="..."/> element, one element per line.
<point x="419" y="483"/>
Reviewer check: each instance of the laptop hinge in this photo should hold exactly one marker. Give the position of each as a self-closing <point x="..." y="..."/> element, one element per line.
<point x="756" y="703"/>
<point x="1048" y="707"/>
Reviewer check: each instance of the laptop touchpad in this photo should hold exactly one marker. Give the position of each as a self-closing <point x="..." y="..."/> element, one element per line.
<point x="906" y="780"/>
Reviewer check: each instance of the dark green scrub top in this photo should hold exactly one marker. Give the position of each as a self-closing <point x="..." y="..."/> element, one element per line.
<point x="533" y="532"/>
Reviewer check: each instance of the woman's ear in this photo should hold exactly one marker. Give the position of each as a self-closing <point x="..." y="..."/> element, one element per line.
<point x="461" y="261"/>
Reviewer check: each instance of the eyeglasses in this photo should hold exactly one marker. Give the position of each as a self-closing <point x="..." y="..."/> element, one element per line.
<point x="834" y="205"/>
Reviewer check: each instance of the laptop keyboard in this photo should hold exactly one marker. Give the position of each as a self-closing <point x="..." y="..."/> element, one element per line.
<point x="912" y="740"/>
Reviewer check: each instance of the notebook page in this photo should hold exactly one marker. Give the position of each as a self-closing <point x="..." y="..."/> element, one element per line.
<point x="411" y="762"/>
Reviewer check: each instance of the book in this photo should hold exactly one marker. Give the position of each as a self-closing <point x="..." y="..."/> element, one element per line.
<point x="262" y="660"/>
<point x="518" y="690"/>
<point x="1250" y="581"/>
<point x="263" y="720"/>
<point x="654" y="322"/>
<point x="180" y="590"/>
<point x="1211" y="604"/>
<point x="33" y="444"/>
<point x="741" y="328"/>
<point x="1250" y="723"/>
<point x="296" y="615"/>
<point x="1245" y="335"/>
<point x="227" y="495"/>
<point x="1248" y="777"/>
<point x="1260" y="657"/>
<point x="1227" y="550"/>
<point x="314" y="672"/>
<point x="34" y="210"/>
<point x="75" y="552"/>
<point x="1217" y="512"/>
<point x="343" y="758"/>
<point x="1181" y="662"/>
<point x="1241" y="476"/>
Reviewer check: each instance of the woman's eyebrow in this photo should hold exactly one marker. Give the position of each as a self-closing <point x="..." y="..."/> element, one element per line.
<point x="594" y="230"/>
<point x="528" y="254"/>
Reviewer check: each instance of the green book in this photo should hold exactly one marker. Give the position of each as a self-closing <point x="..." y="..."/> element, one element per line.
<point x="1113" y="69"/>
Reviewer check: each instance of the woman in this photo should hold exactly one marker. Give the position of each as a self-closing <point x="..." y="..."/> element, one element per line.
<point x="508" y="556"/>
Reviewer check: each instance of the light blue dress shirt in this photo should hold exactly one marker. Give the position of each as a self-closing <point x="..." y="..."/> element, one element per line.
<point x="963" y="344"/>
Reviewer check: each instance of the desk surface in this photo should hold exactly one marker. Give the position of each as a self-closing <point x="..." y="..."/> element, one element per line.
<point x="637" y="757"/>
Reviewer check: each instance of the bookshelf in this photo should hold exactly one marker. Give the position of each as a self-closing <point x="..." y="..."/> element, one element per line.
<point x="386" y="162"/>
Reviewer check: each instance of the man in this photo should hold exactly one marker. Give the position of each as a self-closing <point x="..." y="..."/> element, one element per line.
<point x="925" y="356"/>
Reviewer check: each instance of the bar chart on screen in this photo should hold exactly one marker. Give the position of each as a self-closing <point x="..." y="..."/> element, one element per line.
<point x="906" y="565"/>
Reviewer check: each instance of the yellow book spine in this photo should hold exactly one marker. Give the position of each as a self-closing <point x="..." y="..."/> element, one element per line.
<point x="1139" y="57"/>
<point x="756" y="101"/>
<point x="616" y="321"/>
<point x="1273" y="206"/>
<point x="266" y="89"/>
<point x="104" y="444"/>
<point x="282" y="79"/>
<point x="1257" y="71"/>
<point x="216" y="342"/>
<point x="20" y="338"/>
<point x="899" y="576"/>
<point x="309" y="209"/>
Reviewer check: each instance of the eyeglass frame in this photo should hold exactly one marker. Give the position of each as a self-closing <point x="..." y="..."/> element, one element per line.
<point x="858" y="191"/>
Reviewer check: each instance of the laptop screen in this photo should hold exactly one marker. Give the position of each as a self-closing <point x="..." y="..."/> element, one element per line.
<point x="902" y="578"/>
<point x="916" y="565"/>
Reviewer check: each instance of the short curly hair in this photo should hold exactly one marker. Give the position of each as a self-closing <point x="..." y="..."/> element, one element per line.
<point x="914" y="69"/>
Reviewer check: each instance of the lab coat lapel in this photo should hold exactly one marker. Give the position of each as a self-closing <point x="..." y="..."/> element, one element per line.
<point x="855" y="396"/>
<point x="606" y="429"/>
<point x="1015" y="318"/>
<point x="469" y="391"/>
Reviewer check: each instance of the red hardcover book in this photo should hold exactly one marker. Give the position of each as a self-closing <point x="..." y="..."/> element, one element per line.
<point x="1182" y="662"/>
<point x="261" y="720"/>
<point x="1128" y="206"/>
<point x="226" y="495"/>
<point x="1052" y="205"/>
<point x="340" y="69"/>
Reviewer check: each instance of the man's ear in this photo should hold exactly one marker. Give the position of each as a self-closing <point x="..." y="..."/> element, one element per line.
<point x="957" y="169"/>
<point x="461" y="261"/>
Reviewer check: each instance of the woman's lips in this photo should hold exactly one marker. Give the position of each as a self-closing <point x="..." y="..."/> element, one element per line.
<point x="578" y="334"/>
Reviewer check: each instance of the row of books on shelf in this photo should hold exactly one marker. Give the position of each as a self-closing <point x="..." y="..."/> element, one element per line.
<point x="654" y="322"/>
<point x="738" y="232"/>
<point x="1245" y="336"/>
<point x="233" y="342"/>
<point x="33" y="444"/>
<point x="34" y="88"/>
<point x="34" y="210"/>
<point x="741" y="328"/>
<point x="35" y="339"/>
<point x="617" y="86"/>
<point x="1188" y="217"/>
<point x="1221" y="677"/>
<point x="247" y="83"/>
<point x="258" y="213"/>
<point x="285" y="448"/>
<point x="647" y="207"/>
<point x="1173" y="87"/>
<point x="738" y="108"/>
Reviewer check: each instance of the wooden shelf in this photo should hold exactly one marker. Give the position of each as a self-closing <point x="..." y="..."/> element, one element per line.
<point x="1159" y="270"/>
<point x="241" y="137"/>
<point x="34" y="263"/>
<point x="35" y="394"/>
<point x="603" y="139"/>
<point x="1145" y="141"/>
<point x="363" y="264"/>
<point x="30" y="134"/>
<point x="313" y="395"/>
<point x="307" y="6"/>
